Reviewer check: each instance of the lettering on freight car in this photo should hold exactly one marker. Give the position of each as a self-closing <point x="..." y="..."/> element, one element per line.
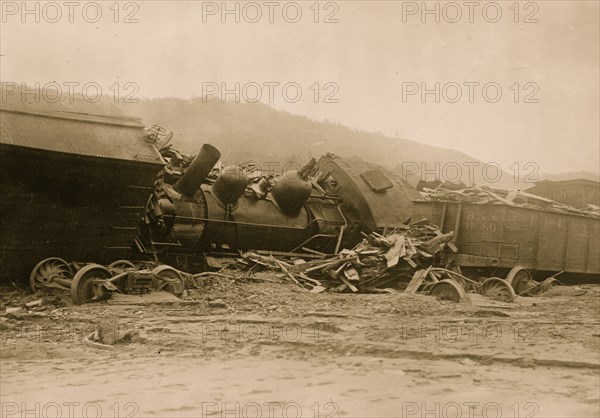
<point x="478" y="221"/>
<point x="481" y="226"/>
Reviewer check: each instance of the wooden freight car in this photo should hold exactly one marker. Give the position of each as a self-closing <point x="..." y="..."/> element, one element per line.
<point x="492" y="239"/>
<point x="73" y="182"/>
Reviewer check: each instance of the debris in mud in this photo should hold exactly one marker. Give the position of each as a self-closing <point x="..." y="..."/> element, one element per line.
<point x="37" y="302"/>
<point x="217" y="303"/>
<point x="108" y="333"/>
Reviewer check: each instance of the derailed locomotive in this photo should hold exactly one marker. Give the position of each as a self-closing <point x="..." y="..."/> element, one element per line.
<point x="320" y="208"/>
<point x="195" y="209"/>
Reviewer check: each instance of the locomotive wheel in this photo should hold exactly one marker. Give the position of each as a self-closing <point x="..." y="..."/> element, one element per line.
<point x="82" y="289"/>
<point x="47" y="270"/>
<point x="448" y="289"/>
<point x="168" y="273"/>
<point x="520" y="280"/>
<point x="497" y="289"/>
<point x="121" y="265"/>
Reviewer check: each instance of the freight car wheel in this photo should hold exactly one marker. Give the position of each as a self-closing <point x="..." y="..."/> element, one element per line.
<point x="82" y="289"/>
<point x="47" y="270"/>
<point x="448" y="289"/>
<point x="164" y="274"/>
<point x="121" y="265"/>
<point x="497" y="289"/>
<point x="520" y="280"/>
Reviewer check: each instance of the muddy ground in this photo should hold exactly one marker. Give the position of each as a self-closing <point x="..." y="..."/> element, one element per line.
<point x="268" y="349"/>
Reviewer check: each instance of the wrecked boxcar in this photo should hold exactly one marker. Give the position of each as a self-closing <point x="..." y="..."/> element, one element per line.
<point x="503" y="238"/>
<point x="74" y="179"/>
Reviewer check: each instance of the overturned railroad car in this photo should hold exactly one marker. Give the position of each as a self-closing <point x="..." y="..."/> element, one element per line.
<point x="74" y="179"/>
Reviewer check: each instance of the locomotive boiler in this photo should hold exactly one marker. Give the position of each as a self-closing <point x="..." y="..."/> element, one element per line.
<point x="196" y="209"/>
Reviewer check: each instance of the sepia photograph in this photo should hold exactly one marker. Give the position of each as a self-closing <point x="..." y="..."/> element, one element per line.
<point x="300" y="209"/>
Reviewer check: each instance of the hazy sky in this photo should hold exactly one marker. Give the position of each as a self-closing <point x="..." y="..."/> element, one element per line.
<point x="370" y="53"/>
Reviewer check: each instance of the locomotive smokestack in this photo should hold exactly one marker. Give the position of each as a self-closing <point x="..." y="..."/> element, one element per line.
<point x="206" y="159"/>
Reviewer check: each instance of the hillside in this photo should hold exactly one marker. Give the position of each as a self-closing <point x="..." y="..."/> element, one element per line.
<point x="260" y="133"/>
<point x="572" y="175"/>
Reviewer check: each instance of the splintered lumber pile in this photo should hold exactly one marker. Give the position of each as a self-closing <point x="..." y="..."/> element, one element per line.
<point x="484" y="195"/>
<point x="376" y="261"/>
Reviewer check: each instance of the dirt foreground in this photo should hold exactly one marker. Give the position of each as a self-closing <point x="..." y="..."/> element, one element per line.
<point x="268" y="349"/>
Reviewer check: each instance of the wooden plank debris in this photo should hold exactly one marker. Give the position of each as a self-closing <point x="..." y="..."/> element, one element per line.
<point x="484" y="195"/>
<point x="376" y="263"/>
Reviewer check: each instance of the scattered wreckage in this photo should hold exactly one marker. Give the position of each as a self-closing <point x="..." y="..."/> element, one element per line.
<point x="320" y="238"/>
<point x="118" y="191"/>
<point x="408" y="258"/>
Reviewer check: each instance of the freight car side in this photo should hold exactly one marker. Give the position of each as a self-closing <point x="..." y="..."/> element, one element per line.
<point x="73" y="186"/>
<point x="498" y="237"/>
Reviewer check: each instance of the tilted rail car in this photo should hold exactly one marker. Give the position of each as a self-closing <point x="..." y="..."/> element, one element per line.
<point x="73" y="183"/>
<point x="494" y="239"/>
